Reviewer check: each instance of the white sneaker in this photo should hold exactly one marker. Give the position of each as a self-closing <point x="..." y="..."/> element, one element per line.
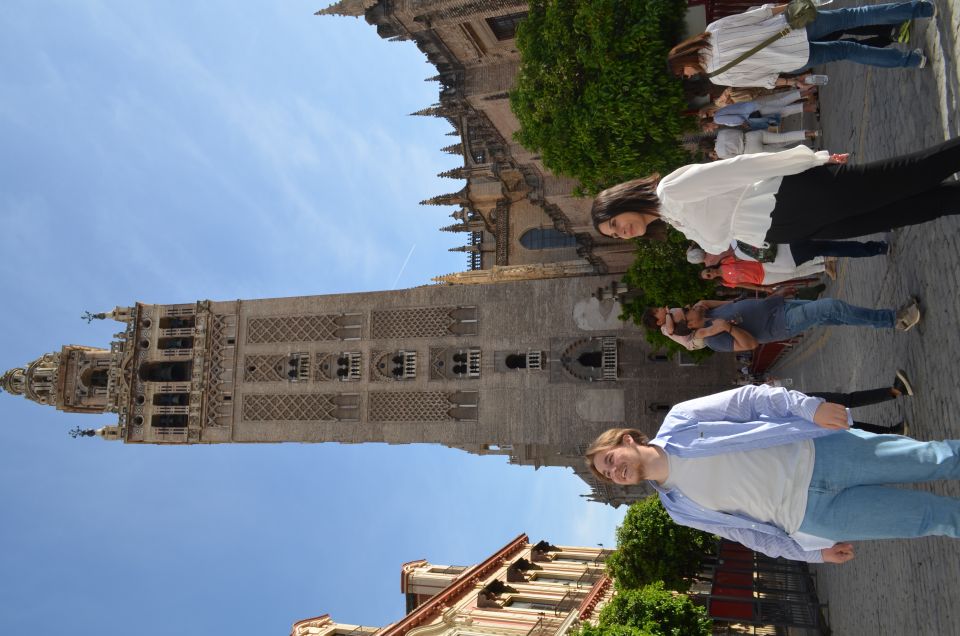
<point x="909" y="316"/>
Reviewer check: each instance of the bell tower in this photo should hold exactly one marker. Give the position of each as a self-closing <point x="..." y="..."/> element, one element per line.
<point x="530" y="368"/>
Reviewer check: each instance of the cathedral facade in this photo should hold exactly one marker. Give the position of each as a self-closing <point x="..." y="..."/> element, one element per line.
<point x="530" y="369"/>
<point x="512" y="210"/>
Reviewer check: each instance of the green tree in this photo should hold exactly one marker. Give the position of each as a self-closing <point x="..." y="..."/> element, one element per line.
<point x="588" y="629"/>
<point x="652" y="610"/>
<point x="593" y="95"/>
<point x="663" y="277"/>
<point x="651" y="547"/>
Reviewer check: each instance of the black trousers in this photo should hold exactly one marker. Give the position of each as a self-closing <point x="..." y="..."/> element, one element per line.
<point x="843" y="201"/>
<point x="859" y="398"/>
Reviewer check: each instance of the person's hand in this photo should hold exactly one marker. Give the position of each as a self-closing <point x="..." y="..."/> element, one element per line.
<point x="839" y="553"/>
<point x="668" y="323"/>
<point x="786" y="291"/>
<point x="830" y="415"/>
<point x="720" y="325"/>
<point x="840" y="158"/>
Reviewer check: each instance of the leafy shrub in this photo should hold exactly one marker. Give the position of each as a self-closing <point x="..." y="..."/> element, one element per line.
<point x="656" y="611"/>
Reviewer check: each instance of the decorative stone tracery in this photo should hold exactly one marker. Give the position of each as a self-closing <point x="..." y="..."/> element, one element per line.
<point x="422" y="406"/>
<point x="315" y="328"/>
<point x="321" y="407"/>
<point x="424" y="322"/>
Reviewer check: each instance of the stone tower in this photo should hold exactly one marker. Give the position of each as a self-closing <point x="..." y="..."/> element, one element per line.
<point x="532" y="369"/>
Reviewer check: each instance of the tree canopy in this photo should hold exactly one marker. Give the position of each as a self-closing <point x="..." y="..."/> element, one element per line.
<point x="649" y="611"/>
<point x="593" y="95"/>
<point x="651" y="547"/>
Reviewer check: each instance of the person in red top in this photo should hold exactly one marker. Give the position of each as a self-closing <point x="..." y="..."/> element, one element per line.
<point x="735" y="272"/>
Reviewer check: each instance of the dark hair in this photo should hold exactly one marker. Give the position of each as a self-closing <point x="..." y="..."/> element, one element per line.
<point x="687" y="53"/>
<point x="649" y="320"/>
<point x="611" y="438"/>
<point x="637" y="195"/>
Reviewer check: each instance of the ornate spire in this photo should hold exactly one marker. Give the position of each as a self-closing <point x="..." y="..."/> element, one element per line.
<point x="458" y="227"/>
<point x="456" y="198"/>
<point x="455" y="173"/>
<point x="465" y="248"/>
<point x="350" y="8"/>
<point x="453" y="149"/>
<point x="430" y="111"/>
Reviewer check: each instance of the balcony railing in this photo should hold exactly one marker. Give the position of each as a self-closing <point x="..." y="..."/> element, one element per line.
<point x="545" y="626"/>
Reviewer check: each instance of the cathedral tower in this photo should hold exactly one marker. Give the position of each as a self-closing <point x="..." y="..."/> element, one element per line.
<point x="532" y="369"/>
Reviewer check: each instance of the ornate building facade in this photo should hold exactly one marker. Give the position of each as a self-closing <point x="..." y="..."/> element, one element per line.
<point x="532" y="369"/>
<point x="512" y="210"/>
<point x="523" y="589"/>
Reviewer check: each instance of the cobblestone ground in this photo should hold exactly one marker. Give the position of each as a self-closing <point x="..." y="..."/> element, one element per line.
<point x="896" y="587"/>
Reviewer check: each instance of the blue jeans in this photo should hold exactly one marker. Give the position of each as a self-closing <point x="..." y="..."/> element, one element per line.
<point x="801" y="315"/>
<point x="828" y="22"/>
<point x="846" y="500"/>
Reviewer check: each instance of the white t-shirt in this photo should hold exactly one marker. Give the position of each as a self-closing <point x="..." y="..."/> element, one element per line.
<point x="767" y="484"/>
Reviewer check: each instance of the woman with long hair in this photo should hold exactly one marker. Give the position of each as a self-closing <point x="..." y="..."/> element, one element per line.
<point x="800" y="49"/>
<point x="783" y="197"/>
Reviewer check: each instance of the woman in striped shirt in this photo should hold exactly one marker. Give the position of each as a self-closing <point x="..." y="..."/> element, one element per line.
<point x="800" y="49"/>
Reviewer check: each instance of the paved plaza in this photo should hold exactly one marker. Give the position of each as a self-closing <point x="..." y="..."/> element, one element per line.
<point x="896" y="587"/>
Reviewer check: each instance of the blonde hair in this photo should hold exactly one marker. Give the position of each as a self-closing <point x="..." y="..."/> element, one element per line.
<point x="611" y="438"/>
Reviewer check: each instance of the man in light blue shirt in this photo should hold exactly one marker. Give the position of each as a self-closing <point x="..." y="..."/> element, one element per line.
<point x="843" y="495"/>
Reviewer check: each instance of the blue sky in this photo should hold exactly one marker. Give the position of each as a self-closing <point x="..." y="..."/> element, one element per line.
<point x="163" y="152"/>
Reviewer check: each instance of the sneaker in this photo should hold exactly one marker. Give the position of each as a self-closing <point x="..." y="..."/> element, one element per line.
<point x="923" y="58"/>
<point x="902" y="383"/>
<point x="909" y="316"/>
<point x="830" y="267"/>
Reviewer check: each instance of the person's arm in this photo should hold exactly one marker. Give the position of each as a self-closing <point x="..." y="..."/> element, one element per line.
<point x="734" y="114"/>
<point x="710" y="304"/>
<point x="769" y="544"/>
<point x="698" y="182"/>
<point x="754" y="287"/>
<point x="687" y="342"/>
<point x="743" y="340"/>
<point x="748" y="403"/>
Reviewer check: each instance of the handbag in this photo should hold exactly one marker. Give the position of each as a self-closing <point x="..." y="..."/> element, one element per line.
<point x="799" y="13"/>
<point x="761" y="254"/>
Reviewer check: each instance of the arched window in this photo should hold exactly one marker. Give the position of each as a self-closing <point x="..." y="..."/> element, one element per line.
<point x="516" y="361"/>
<point x="546" y="239"/>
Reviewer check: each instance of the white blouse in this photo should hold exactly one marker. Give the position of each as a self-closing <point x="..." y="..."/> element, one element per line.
<point x="730" y="200"/>
<point x="732" y="36"/>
